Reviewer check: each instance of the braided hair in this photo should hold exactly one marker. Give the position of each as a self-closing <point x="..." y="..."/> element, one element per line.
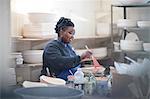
<point x="62" y="24"/>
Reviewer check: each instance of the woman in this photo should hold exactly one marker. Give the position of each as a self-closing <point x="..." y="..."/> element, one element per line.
<point x="59" y="56"/>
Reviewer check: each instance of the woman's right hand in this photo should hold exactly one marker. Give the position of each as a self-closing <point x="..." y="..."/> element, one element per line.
<point x="86" y="54"/>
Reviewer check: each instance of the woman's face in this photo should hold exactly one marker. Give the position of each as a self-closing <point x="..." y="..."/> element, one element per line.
<point x="67" y="35"/>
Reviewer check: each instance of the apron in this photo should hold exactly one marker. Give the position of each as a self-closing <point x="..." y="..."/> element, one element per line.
<point x="64" y="74"/>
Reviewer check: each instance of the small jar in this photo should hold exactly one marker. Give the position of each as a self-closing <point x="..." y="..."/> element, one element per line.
<point x="19" y="60"/>
<point x="70" y="82"/>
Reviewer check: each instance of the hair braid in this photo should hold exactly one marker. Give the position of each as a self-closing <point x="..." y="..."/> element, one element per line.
<point x="63" y="23"/>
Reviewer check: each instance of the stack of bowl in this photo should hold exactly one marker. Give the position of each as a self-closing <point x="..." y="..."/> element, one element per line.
<point x="41" y="26"/>
<point x="131" y="43"/>
<point x="32" y="56"/>
<point x="146" y="47"/>
<point x="126" y="23"/>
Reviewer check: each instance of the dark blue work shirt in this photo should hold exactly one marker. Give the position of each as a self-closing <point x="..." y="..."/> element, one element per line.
<point x="60" y="59"/>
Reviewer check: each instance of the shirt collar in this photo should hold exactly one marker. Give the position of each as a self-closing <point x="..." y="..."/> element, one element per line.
<point x="59" y="40"/>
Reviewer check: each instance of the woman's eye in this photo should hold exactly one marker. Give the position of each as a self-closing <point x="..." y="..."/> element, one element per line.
<point x="71" y="33"/>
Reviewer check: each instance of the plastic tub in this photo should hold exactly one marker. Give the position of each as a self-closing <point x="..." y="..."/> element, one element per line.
<point x="56" y="92"/>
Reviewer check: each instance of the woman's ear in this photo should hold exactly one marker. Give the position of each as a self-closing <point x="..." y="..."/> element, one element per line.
<point x="61" y="33"/>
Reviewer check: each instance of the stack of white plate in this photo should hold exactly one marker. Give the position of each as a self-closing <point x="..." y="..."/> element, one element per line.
<point x="38" y="30"/>
<point x="11" y="76"/>
<point x="131" y="43"/>
<point x="41" y="17"/>
<point x="41" y="26"/>
<point x="126" y="23"/>
<point x="146" y="47"/>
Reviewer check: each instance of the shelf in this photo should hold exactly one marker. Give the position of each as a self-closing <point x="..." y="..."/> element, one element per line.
<point x="30" y="65"/>
<point x="32" y="39"/>
<point x="90" y="37"/>
<point x="132" y="5"/>
<point x="133" y="52"/>
<point x="135" y="28"/>
<point x="20" y="38"/>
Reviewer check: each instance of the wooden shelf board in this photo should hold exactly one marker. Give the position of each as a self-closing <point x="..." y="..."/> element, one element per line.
<point x="132" y="5"/>
<point x="30" y="65"/>
<point x="134" y="52"/>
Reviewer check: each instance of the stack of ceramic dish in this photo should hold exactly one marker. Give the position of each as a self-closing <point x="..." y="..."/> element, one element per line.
<point x="126" y="23"/>
<point x="41" y="26"/>
<point x="32" y="56"/>
<point x="116" y="46"/>
<point x="41" y="17"/>
<point x="131" y="43"/>
<point x="146" y="47"/>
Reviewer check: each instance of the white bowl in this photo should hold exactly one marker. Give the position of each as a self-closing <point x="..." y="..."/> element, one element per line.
<point x="146" y="46"/>
<point x="131" y="45"/>
<point x="40" y="30"/>
<point x="116" y="46"/>
<point x="52" y="80"/>
<point x="125" y="23"/>
<point x="28" y="84"/>
<point x="41" y="17"/>
<point x="143" y="24"/>
<point x="32" y="56"/>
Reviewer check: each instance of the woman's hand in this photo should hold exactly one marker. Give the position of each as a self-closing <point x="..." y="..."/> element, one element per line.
<point x="86" y="54"/>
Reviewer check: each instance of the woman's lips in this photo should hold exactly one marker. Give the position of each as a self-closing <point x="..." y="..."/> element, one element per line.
<point x="71" y="39"/>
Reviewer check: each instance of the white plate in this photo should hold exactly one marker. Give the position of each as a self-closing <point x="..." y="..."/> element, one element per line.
<point x="51" y="80"/>
<point x="28" y="84"/>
